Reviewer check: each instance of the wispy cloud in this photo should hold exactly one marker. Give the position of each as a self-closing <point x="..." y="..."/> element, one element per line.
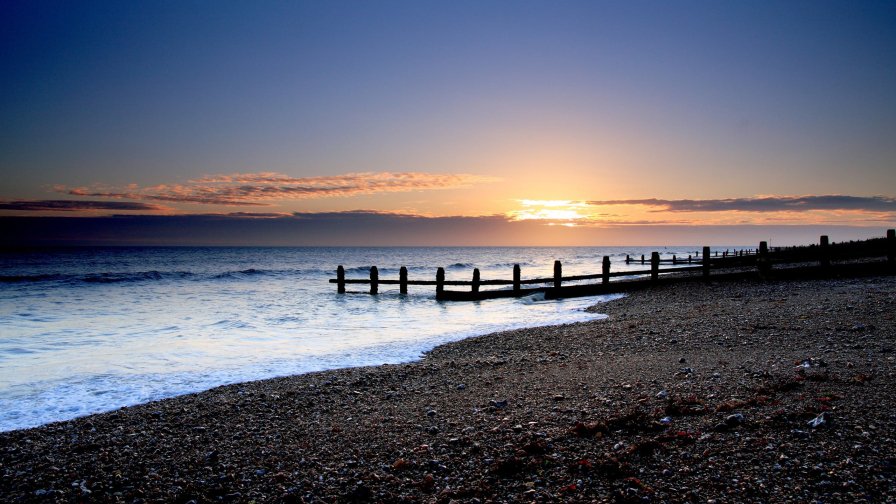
<point x="764" y="204"/>
<point x="260" y="189"/>
<point x="76" y="205"/>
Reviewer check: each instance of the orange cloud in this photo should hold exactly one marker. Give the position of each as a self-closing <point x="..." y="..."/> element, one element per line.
<point x="258" y="189"/>
<point x="764" y="204"/>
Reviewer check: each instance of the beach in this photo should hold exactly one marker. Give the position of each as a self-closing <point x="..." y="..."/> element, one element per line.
<point x="698" y="392"/>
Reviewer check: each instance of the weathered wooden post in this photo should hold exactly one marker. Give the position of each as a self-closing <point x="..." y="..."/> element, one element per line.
<point x="340" y="279"/>
<point x="403" y="280"/>
<point x="628" y="259"/>
<point x="674" y="260"/>
<point x="475" y="279"/>
<point x="605" y="270"/>
<point x="706" y="257"/>
<point x="440" y="281"/>
<point x="516" y="278"/>
<point x="762" y="261"/>
<point x="824" y="252"/>
<point x="689" y="258"/>
<point x="642" y="258"/>
<point x="374" y="280"/>
<point x="891" y="246"/>
<point x="558" y="274"/>
<point x="654" y="266"/>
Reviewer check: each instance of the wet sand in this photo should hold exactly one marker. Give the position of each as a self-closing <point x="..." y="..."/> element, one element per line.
<point x="720" y="392"/>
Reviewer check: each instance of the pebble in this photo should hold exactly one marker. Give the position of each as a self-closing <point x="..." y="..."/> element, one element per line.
<point x="275" y="441"/>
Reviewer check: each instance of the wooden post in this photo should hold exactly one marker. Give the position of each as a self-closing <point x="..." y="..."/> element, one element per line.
<point x="762" y="260"/>
<point x="654" y="266"/>
<point x="516" y="278"/>
<point x="558" y="274"/>
<point x="674" y="260"/>
<point x="642" y="258"/>
<point x="475" y="279"/>
<point x="706" y="257"/>
<point x="689" y="258"/>
<point x="374" y="280"/>
<point x="605" y="270"/>
<point x="403" y="280"/>
<point x="340" y="279"/>
<point x="628" y="259"/>
<point x="824" y="252"/>
<point x="440" y="281"/>
<point x="891" y="246"/>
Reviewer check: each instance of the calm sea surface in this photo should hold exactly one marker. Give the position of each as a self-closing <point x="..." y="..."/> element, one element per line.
<point x="93" y="329"/>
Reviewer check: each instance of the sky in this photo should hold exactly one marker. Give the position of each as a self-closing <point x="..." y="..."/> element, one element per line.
<point x="446" y="123"/>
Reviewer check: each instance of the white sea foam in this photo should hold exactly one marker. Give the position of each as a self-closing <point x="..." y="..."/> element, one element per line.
<point x="209" y="317"/>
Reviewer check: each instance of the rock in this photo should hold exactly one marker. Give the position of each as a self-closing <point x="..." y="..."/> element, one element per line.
<point x="734" y="420"/>
<point x="820" y="420"/>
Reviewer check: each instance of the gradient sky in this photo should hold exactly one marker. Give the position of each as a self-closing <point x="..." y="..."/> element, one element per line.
<point x="615" y="121"/>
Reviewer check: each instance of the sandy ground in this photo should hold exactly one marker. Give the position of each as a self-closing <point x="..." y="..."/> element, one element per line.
<point x="736" y="392"/>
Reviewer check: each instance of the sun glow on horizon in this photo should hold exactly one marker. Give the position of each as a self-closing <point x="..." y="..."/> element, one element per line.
<point x="551" y="210"/>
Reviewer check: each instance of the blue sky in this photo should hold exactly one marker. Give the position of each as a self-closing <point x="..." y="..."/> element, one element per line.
<point x="536" y="101"/>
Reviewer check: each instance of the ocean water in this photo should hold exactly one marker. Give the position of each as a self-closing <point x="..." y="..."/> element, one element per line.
<point x="86" y="330"/>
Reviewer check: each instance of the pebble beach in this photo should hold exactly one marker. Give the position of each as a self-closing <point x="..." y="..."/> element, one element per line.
<point x="698" y="392"/>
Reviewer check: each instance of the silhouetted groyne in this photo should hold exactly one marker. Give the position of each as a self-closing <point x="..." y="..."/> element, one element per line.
<point x="824" y="259"/>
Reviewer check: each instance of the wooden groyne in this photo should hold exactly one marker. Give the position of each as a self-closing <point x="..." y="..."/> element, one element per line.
<point x="875" y="256"/>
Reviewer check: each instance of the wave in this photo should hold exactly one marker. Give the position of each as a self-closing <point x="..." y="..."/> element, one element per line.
<point x="512" y="264"/>
<point x="457" y="266"/>
<point x="105" y="277"/>
<point x="245" y="273"/>
<point x="30" y="278"/>
<point x="122" y="277"/>
<point x="139" y="276"/>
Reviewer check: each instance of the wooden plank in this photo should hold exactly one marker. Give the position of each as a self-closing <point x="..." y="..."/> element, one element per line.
<point x="706" y="261"/>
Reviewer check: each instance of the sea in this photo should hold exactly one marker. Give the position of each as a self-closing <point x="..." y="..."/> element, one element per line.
<point x="87" y="330"/>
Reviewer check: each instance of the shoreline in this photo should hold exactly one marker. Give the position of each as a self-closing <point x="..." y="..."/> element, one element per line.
<point x="656" y="402"/>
